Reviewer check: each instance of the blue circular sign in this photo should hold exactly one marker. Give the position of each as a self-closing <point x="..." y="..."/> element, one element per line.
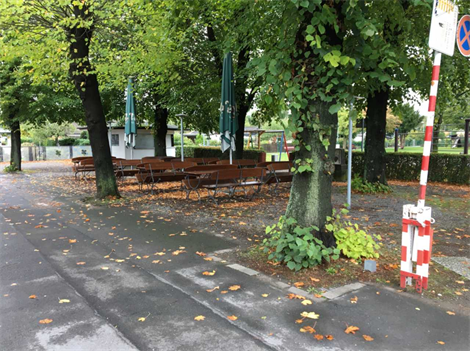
<point x="463" y="35"/>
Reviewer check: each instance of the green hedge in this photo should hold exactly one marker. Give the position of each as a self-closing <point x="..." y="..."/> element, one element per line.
<point x="444" y="168"/>
<point x="67" y="141"/>
<point x="208" y="151"/>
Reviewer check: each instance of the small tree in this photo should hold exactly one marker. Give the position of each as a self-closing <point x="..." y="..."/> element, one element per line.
<point x="410" y="120"/>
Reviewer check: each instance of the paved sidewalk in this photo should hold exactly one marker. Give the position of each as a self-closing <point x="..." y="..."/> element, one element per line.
<point x="117" y="266"/>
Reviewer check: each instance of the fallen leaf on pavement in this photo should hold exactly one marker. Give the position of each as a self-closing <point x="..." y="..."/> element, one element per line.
<point x="32" y="296"/>
<point x="159" y="253"/>
<point x="354" y="299"/>
<point x="64" y="301"/>
<point x="142" y="319"/>
<point x="311" y="315"/>
<point x="211" y="290"/>
<point x="177" y="252"/>
<point x="45" y="321"/>
<point x="318" y="337"/>
<point x="458" y="293"/>
<point x="234" y="287"/>
<point x="306" y="302"/>
<point x="119" y="260"/>
<point x="80" y="263"/>
<point x="208" y="258"/>
<point x="299" y="284"/>
<point x="224" y="291"/>
<point x="314" y="279"/>
<point x="294" y="296"/>
<point x="460" y="282"/>
<point x="199" y="318"/>
<point x="202" y="254"/>
<point x="450" y="313"/>
<point x="104" y="268"/>
<point x="232" y="318"/>
<point x="367" y="338"/>
<point x="441" y="342"/>
<point x="351" y="329"/>
<point x="299" y="321"/>
<point x="208" y="273"/>
<point x="307" y="329"/>
<point x="329" y="337"/>
<point x="264" y="295"/>
<point x="72" y="241"/>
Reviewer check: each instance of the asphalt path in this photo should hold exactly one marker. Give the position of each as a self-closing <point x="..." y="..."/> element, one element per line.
<point x="135" y="281"/>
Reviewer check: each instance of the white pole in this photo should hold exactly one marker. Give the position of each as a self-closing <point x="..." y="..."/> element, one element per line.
<point x="350" y="157"/>
<point x="132" y="146"/>
<point x="182" y="137"/>
<point x="230" y="154"/>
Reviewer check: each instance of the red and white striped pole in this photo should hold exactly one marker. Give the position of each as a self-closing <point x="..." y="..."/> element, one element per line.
<point x="423" y="180"/>
<point x="416" y="224"/>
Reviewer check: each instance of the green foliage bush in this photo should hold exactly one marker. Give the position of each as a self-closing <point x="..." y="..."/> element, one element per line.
<point x="68" y="141"/>
<point x="296" y="246"/>
<point x="81" y="142"/>
<point x="11" y="168"/>
<point x="444" y="168"/>
<point x="350" y="240"/>
<point x="365" y="187"/>
<point x="209" y="151"/>
<point x="84" y="135"/>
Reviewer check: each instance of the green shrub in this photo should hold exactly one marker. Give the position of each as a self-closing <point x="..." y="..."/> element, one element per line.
<point x="11" y="168"/>
<point x="84" y="135"/>
<point x="363" y="186"/>
<point x="350" y="240"/>
<point x="209" y="151"/>
<point x="68" y="141"/>
<point x="81" y="142"/>
<point x="444" y="168"/>
<point x="296" y="246"/>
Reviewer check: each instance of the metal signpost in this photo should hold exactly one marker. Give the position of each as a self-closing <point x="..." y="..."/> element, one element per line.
<point x="416" y="225"/>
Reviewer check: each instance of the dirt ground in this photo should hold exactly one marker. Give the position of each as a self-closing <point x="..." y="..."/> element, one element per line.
<point x="244" y="222"/>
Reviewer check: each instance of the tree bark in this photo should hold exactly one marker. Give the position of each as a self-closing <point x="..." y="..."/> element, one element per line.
<point x="87" y="86"/>
<point x="310" y="196"/>
<point x="435" y="133"/>
<point x="374" y="158"/>
<point x="15" y="158"/>
<point x="160" y="129"/>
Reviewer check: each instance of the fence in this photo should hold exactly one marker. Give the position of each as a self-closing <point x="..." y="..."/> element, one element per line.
<point x="42" y="153"/>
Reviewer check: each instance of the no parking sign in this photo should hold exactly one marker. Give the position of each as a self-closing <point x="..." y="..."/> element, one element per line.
<point x="463" y="36"/>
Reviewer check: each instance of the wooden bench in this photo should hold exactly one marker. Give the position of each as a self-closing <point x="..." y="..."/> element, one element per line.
<point x="83" y="168"/>
<point x="227" y="178"/>
<point x="198" y="175"/>
<point x="279" y="172"/>
<point x="127" y="168"/>
<point x="161" y="172"/>
<point x="239" y="162"/>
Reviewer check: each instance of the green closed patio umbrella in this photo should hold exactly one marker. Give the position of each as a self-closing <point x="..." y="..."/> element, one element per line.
<point x="228" y="123"/>
<point x="130" y="123"/>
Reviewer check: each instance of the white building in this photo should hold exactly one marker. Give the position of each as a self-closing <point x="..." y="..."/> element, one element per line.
<point x="144" y="143"/>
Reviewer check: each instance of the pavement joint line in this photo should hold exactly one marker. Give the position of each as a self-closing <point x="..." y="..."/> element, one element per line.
<point x="243" y="269"/>
<point x="337" y="292"/>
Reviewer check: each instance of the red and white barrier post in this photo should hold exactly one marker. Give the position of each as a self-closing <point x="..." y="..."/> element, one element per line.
<point x="417" y="233"/>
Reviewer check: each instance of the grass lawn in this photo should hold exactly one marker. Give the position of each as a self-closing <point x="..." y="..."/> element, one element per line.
<point x="419" y="150"/>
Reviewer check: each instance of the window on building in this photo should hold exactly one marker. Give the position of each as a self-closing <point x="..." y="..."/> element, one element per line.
<point x="114" y="139"/>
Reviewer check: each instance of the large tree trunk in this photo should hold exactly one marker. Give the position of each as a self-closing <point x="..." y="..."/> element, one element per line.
<point x="310" y="196"/>
<point x="374" y="158"/>
<point x="160" y="130"/>
<point x="15" y="158"/>
<point x="86" y="84"/>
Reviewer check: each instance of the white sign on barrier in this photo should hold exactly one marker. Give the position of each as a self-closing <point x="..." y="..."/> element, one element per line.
<point x="443" y="26"/>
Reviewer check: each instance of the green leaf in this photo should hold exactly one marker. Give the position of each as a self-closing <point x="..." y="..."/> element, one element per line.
<point x="335" y="108"/>
<point x="310" y="29"/>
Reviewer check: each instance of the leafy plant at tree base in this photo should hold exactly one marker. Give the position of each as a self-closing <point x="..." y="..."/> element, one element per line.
<point x="363" y="186"/>
<point x="11" y="169"/>
<point x="351" y="241"/>
<point x="296" y="246"/>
